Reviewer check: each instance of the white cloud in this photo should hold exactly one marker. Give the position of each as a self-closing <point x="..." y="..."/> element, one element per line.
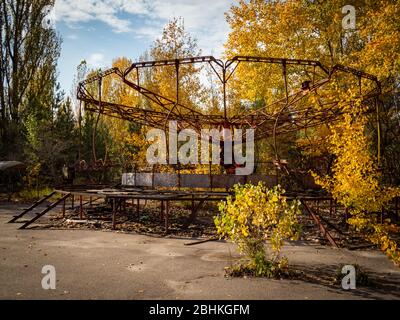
<point x="107" y="11"/>
<point x="204" y="18"/>
<point x="96" y="60"/>
<point x="72" y="37"/>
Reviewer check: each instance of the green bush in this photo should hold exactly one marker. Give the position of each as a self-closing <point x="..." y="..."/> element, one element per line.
<point x="253" y="215"/>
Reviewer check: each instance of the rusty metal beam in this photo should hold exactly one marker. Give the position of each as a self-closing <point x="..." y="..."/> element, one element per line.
<point x="36" y="204"/>
<point x="324" y="231"/>
<point x="172" y="62"/>
<point x="41" y="214"/>
<point x="292" y="115"/>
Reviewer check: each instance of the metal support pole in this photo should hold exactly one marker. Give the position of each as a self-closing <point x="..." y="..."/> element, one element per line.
<point x="378" y="122"/>
<point x="323" y="230"/>
<point x="192" y="204"/>
<point x="285" y="81"/>
<point x="224" y="91"/>
<point x="81" y="207"/>
<point x="211" y="177"/>
<point x="114" y="209"/>
<point x="63" y="209"/>
<point x="162" y="210"/>
<point x="177" y="81"/>
<point x="166" y="216"/>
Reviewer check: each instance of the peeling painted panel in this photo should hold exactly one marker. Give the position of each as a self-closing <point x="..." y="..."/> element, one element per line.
<point x="195" y="181"/>
<point x="227" y="181"/>
<point x="128" y="179"/>
<point x="165" y="180"/>
<point x="269" y="180"/>
<point x="144" y="180"/>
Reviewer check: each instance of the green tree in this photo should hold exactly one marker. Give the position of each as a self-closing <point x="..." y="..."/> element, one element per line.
<point x="26" y="50"/>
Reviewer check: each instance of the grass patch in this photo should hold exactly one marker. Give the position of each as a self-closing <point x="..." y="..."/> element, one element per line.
<point x="261" y="268"/>
<point x="362" y="277"/>
<point x="32" y="194"/>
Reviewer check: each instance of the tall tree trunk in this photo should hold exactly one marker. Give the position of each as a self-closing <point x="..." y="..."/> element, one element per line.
<point x="2" y="72"/>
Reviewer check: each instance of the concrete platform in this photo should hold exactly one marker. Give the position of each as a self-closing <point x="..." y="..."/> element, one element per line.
<point x="108" y="265"/>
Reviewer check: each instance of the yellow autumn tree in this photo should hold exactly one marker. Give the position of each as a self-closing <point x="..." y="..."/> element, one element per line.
<point x="355" y="183"/>
<point x="128" y="141"/>
<point x="313" y="30"/>
<point x="176" y="43"/>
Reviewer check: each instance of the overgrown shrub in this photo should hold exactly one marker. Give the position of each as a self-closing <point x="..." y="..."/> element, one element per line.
<point x="253" y="215"/>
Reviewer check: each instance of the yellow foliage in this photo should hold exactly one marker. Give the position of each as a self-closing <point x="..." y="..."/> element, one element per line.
<point x="355" y="182"/>
<point x="255" y="213"/>
<point x="313" y="30"/>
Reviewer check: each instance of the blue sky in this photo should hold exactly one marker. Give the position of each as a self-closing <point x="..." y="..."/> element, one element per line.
<point x="100" y="30"/>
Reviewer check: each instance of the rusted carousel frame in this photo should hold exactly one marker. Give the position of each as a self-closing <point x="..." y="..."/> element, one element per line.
<point x="287" y="120"/>
<point x="188" y="117"/>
